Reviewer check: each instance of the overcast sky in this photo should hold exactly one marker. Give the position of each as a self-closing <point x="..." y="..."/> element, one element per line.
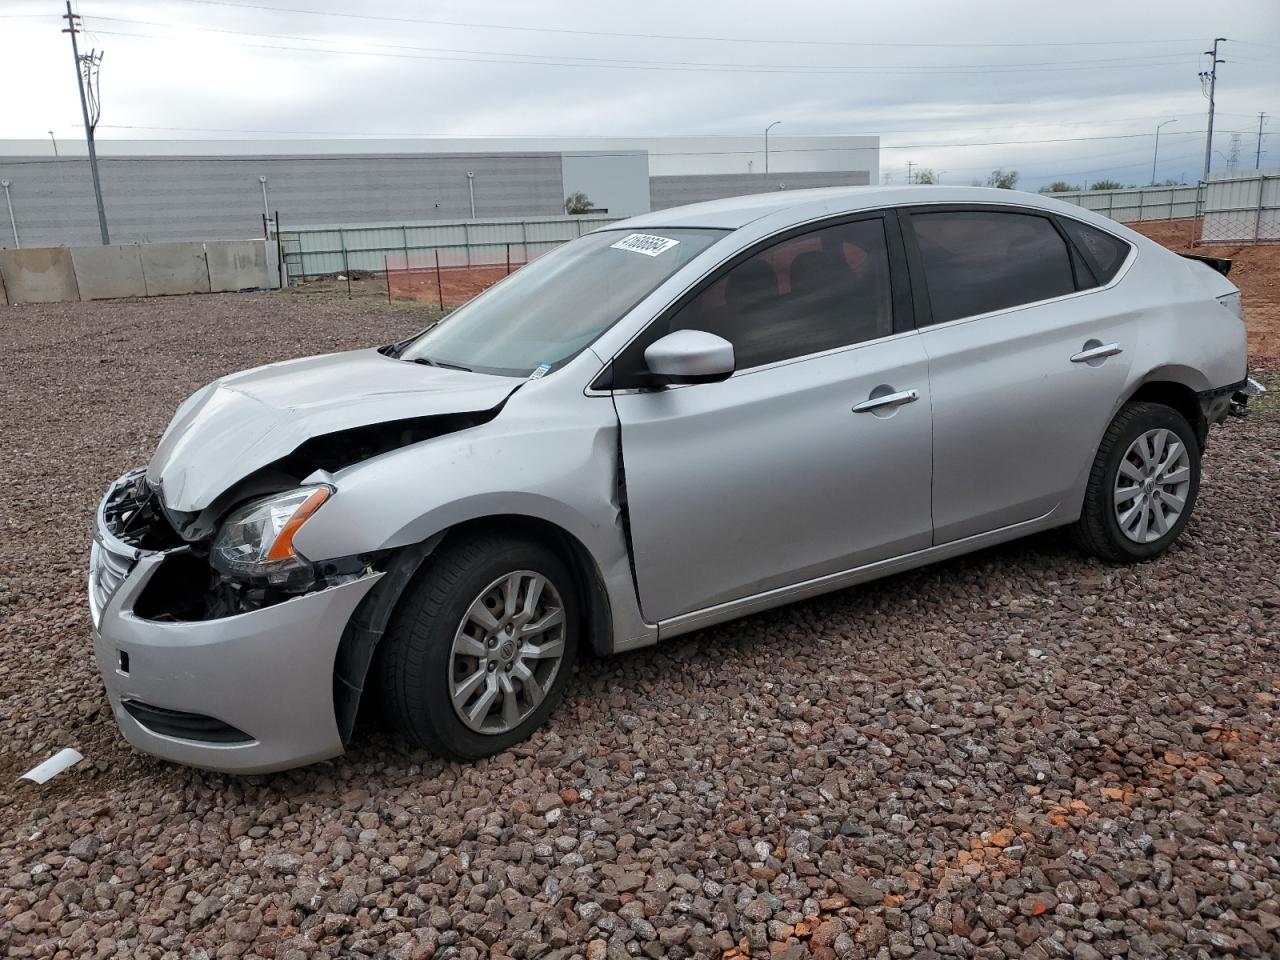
<point x="926" y="76"/>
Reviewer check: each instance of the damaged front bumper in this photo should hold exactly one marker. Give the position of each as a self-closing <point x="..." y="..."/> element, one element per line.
<point x="247" y="693"/>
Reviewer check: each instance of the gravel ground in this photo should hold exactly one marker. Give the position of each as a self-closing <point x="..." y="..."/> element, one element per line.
<point x="1019" y="753"/>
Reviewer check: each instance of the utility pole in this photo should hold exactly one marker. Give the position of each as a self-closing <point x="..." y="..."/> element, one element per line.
<point x="1257" y="156"/>
<point x="1156" y="153"/>
<point x="87" y="69"/>
<point x="1211" y="76"/>
<point x="910" y="164"/>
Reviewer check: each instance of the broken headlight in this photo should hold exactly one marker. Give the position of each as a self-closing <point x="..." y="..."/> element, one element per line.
<point x="256" y="540"/>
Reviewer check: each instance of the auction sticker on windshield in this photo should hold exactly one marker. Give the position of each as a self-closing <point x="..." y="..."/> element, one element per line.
<point x="645" y="243"/>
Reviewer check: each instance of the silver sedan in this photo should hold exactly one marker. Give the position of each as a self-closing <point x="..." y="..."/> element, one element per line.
<point x="671" y="422"/>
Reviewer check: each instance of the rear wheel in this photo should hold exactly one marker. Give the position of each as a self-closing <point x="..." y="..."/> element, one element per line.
<point x="478" y="653"/>
<point x="1143" y="485"/>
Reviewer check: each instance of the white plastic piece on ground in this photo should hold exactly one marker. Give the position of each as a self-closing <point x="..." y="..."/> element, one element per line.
<point x="44" y="772"/>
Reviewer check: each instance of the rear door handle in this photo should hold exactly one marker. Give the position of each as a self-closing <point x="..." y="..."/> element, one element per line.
<point x="888" y="400"/>
<point x="1100" y="352"/>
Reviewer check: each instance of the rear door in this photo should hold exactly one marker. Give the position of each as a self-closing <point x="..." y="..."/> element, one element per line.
<point x="1028" y="352"/>
<point x="814" y="457"/>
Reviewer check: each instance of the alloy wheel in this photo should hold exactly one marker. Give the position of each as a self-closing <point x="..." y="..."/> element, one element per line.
<point x="1152" y="485"/>
<point x="506" y="652"/>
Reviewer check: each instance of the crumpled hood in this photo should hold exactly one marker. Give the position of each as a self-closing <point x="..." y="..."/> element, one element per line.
<point x="244" y="421"/>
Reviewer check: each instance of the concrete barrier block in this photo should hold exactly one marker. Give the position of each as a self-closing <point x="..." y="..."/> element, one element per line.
<point x="174" y="268"/>
<point x="39" y="275"/>
<point x="236" y="265"/>
<point x="105" y="273"/>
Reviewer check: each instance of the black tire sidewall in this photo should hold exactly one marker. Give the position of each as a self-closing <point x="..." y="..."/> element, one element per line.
<point x="429" y="698"/>
<point x="1153" y="418"/>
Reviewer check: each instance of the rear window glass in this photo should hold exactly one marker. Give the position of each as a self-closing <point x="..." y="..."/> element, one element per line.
<point x="1104" y="253"/>
<point x="977" y="261"/>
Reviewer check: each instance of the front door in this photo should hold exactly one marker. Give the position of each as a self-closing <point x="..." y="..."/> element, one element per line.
<point x="813" y="458"/>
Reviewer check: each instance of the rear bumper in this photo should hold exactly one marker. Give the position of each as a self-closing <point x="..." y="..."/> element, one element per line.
<point x="251" y="693"/>
<point x="1231" y="400"/>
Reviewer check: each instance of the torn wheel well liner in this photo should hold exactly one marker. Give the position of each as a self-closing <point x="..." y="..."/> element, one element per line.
<point x="364" y="632"/>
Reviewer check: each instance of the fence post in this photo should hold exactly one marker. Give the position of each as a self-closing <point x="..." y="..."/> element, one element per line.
<point x="1199" y="214"/>
<point x="404" y="237"/>
<point x="1141" y="195"/>
<point x="386" y="272"/>
<point x="1257" y="213"/>
<point x="439" y="282"/>
<point x="346" y="267"/>
<point x="524" y="239"/>
<point x="279" y="254"/>
<point x="466" y="242"/>
<point x="508" y="259"/>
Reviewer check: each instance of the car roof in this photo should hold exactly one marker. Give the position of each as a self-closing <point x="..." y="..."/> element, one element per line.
<point x="734" y="212"/>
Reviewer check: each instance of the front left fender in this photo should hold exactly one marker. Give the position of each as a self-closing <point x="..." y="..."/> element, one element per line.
<point x="559" y="467"/>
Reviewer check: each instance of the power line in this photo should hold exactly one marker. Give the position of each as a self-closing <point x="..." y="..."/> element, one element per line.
<point x="669" y="36"/>
<point x="550" y="60"/>
<point x="700" y="153"/>
<point x="1163" y="58"/>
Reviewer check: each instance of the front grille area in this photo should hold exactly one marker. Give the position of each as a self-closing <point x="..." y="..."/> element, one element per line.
<point x="107" y="571"/>
<point x="184" y="726"/>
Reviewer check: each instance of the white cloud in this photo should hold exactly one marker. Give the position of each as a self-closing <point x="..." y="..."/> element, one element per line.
<point x="437" y="79"/>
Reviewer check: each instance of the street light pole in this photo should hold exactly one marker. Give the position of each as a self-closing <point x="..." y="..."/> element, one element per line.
<point x="266" y="210"/>
<point x="13" y="224"/>
<point x="1156" y="152"/>
<point x="766" y="143"/>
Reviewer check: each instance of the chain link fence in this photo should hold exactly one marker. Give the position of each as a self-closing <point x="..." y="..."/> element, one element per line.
<point x="444" y="278"/>
<point x="317" y="251"/>
<point x="1241" y="209"/>
<point x="1235" y="208"/>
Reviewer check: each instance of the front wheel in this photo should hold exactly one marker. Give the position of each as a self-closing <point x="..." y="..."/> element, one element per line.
<point x="1143" y="485"/>
<point x="478" y="653"/>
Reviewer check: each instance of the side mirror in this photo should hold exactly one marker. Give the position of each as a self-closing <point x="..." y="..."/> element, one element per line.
<point x="690" y="356"/>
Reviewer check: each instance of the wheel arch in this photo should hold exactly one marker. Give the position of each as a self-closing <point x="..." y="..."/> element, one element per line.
<point x="1176" y="387"/>
<point x="364" y="631"/>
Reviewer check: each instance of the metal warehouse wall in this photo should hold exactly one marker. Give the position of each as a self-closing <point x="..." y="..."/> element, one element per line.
<point x="667" y="192"/>
<point x="199" y="198"/>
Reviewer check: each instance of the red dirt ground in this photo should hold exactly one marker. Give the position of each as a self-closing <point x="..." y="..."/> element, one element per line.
<point x="456" y="285"/>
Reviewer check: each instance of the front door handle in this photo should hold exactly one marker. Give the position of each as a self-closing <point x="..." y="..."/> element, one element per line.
<point x="1097" y="351"/>
<point x="887" y="400"/>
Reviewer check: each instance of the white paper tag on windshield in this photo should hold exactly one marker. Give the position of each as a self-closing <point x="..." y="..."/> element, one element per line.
<point x="645" y="243"/>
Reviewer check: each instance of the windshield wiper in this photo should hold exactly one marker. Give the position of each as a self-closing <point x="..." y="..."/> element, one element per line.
<point x="443" y="364"/>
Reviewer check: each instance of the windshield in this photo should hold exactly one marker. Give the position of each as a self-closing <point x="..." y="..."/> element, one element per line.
<point x="547" y="312"/>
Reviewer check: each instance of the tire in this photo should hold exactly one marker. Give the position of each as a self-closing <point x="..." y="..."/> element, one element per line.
<point x="1146" y="485"/>
<point x="424" y="661"/>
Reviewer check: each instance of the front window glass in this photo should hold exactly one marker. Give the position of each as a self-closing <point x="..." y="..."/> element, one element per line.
<point x="547" y="312"/>
<point x="807" y="294"/>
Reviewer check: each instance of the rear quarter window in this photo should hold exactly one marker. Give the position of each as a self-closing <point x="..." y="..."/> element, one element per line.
<point x="1104" y="253"/>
